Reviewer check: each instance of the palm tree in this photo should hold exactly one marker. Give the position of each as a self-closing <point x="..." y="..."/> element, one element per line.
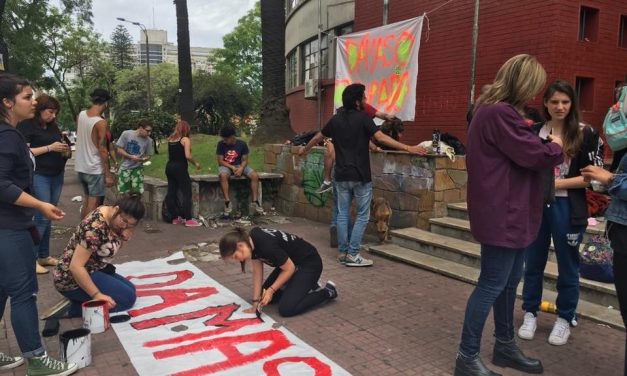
<point x="186" y="100"/>
<point x="4" y="51"/>
<point x="275" y="123"/>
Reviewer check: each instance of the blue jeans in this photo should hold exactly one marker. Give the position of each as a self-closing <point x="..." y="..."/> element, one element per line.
<point x="114" y="285"/>
<point x="501" y="270"/>
<point x="362" y="192"/>
<point x="566" y="240"/>
<point x="18" y="281"/>
<point x="46" y="188"/>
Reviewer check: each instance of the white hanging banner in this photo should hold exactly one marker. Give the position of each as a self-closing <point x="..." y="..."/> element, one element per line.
<point x="385" y="60"/>
<point x="186" y="324"/>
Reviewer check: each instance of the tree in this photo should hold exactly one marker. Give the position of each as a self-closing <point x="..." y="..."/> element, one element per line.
<point x="22" y="26"/>
<point x="186" y="100"/>
<point x="241" y="55"/>
<point x="120" y="49"/>
<point x="275" y="124"/>
<point x="220" y="101"/>
<point x="70" y="47"/>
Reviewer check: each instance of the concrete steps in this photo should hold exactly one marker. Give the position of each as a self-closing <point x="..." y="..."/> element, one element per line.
<point x="469" y="254"/>
<point x="469" y="274"/>
<point x="459" y="210"/>
<point x="450" y="249"/>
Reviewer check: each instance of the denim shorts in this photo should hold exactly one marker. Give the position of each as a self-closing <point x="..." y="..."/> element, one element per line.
<point x="93" y="184"/>
<point x="229" y="172"/>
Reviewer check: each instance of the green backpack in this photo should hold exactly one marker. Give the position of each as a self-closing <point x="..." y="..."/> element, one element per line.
<point x="615" y="124"/>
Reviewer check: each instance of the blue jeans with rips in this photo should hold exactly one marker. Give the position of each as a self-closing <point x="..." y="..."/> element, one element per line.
<point x="501" y="270"/>
<point x="46" y="188"/>
<point x="346" y="191"/>
<point x="18" y="281"/>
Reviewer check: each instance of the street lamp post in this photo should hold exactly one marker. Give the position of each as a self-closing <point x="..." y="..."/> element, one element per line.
<point x="143" y="28"/>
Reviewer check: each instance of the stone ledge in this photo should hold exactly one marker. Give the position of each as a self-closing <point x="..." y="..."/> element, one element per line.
<point x="216" y="178"/>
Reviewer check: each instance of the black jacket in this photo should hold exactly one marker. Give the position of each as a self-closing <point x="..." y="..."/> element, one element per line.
<point x="16" y="176"/>
<point x="591" y="148"/>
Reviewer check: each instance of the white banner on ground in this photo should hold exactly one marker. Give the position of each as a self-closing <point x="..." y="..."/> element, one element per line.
<point x="385" y="60"/>
<point x="186" y="324"/>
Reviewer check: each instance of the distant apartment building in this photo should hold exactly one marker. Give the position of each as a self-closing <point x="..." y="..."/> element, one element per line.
<point x="160" y="51"/>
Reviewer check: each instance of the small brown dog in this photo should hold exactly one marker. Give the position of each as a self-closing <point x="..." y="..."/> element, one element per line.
<point x="381" y="211"/>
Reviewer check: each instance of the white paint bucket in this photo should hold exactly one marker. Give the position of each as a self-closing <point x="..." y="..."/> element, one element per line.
<point x="96" y="315"/>
<point x="75" y="347"/>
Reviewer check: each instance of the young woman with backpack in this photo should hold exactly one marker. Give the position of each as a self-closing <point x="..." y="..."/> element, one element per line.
<point x="564" y="218"/>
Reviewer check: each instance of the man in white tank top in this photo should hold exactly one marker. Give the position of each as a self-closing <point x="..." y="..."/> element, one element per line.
<point x="92" y="156"/>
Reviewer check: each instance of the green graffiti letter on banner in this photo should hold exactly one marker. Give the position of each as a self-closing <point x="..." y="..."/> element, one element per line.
<point x="352" y="55"/>
<point x="403" y="48"/>
<point x="339" y="89"/>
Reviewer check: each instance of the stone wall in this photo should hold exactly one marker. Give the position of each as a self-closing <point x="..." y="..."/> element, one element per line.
<point x="417" y="187"/>
<point x="207" y="198"/>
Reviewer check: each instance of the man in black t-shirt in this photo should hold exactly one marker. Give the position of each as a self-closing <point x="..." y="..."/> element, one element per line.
<point x="351" y="130"/>
<point x="232" y="156"/>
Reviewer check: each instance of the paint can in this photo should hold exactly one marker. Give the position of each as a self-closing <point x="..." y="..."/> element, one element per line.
<point x="96" y="315"/>
<point x="75" y="347"/>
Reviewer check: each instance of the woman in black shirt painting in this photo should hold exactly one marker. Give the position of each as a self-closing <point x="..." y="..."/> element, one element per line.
<point x="294" y="281"/>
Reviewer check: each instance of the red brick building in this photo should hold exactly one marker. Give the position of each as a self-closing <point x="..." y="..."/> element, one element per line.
<point x="584" y="42"/>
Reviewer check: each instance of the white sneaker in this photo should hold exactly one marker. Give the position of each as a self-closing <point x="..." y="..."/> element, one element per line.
<point x="560" y="333"/>
<point x="528" y="328"/>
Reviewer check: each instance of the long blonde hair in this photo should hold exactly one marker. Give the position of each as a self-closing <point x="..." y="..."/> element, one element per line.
<point x="518" y="80"/>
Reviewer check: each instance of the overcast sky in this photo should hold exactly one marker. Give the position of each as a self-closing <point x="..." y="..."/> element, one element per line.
<point x="209" y="20"/>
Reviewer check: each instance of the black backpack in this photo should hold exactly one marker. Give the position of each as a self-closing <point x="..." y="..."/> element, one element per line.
<point x="454" y="142"/>
<point x="303" y="138"/>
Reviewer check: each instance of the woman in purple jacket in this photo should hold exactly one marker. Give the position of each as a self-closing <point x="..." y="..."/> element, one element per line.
<point x="504" y="161"/>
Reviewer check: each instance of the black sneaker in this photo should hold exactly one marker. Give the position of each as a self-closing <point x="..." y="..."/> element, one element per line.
<point x="324" y="187"/>
<point x="331" y="289"/>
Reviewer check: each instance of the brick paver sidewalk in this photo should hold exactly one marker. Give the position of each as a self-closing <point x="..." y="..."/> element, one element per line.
<point x="391" y="319"/>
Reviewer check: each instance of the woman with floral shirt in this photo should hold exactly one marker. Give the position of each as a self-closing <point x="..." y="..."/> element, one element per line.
<point x="84" y="272"/>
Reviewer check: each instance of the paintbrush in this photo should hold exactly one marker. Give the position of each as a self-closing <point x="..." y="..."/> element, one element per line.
<point x="258" y="308"/>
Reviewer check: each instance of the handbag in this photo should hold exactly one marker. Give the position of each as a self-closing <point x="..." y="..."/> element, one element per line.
<point x="595" y="259"/>
<point x="445" y="149"/>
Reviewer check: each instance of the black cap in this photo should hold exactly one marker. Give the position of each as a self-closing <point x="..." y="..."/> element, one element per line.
<point x="101" y="94"/>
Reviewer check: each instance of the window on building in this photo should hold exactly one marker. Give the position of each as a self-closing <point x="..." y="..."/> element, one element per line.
<point x="291" y="78"/>
<point x="622" y="32"/>
<point x="588" y="24"/>
<point x="310" y="57"/>
<point x="346" y="29"/>
<point x="584" y="86"/>
<point x="156" y="53"/>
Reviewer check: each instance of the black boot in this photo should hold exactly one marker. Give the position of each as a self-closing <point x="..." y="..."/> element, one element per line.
<point x="474" y="367"/>
<point x="509" y="355"/>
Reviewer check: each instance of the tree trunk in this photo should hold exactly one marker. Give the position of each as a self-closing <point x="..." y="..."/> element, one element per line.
<point x="186" y="100"/>
<point x="275" y="122"/>
<point x="4" y="50"/>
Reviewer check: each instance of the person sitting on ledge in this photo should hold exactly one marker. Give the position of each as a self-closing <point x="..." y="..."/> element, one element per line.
<point x="232" y="156"/>
<point x="84" y="272"/>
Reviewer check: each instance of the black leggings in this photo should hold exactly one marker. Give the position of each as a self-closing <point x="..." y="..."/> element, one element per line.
<point x="618" y="238"/>
<point x="178" y="181"/>
<point x="297" y="296"/>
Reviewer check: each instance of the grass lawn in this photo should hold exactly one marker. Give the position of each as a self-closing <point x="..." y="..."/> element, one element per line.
<point x="203" y="151"/>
